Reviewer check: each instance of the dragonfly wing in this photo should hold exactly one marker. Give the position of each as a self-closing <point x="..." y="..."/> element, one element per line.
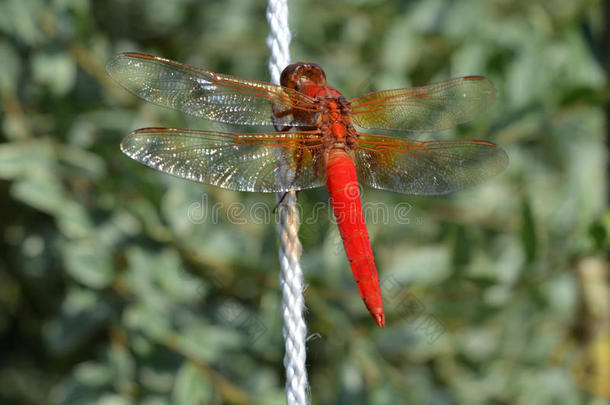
<point x="205" y="94"/>
<point x="243" y="162"/>
<point x="433" y="107"/>
<point x="426" y="167"/>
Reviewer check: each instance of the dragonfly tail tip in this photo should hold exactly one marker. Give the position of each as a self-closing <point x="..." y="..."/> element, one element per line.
<point x="379" y="320"/>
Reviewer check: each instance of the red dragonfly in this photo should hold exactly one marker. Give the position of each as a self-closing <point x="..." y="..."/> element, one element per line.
<point x="314" y="142"/>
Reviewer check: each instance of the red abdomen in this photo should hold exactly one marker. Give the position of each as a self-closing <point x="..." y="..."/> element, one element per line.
<point x="344" y="194"/>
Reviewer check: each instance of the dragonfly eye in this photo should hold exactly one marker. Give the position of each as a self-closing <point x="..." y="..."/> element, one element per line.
<point x="298" y="73"/>
<point x="314" y="73"/>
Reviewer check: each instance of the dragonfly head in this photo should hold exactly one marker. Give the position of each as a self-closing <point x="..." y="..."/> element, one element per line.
<point x="299" y="74"/>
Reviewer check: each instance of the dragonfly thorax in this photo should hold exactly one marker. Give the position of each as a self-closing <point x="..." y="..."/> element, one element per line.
<point x="335" y="121"/>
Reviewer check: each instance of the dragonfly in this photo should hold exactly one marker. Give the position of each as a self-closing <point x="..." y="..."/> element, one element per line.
<point x="312" y="140"/>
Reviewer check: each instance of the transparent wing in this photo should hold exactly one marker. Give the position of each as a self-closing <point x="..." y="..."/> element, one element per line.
<point x="243" y="162"/>
<point x="433" y="107"/>
<point x="429" y="167"/>
<point x="205" y="94"/>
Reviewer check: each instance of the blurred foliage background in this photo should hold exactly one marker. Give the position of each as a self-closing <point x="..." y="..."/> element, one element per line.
<point x="121" y="285"/>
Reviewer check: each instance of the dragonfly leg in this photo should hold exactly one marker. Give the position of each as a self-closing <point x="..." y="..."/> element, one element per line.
<point x="277" y="206"/>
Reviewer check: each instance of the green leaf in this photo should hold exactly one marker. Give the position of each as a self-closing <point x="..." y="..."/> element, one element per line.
<point x="74" y="221"/>
<point x="21" y="20"/>
<point x="528" y="232"/>
<point x="207" y="343"/>
<point x="93" y="374"/>
<point x="82" y="315"/>
<point x="191" y="387"/>
<point x="43" y="192"/>
<point x="426" y="265"/>
<point x="160" y="276"/>
<point x="12" y="160"/>
<point x="123" y="366"/>
<point x="11" y="65"/>
<point x="56" y="70"/>
<point x="113" y="399"/>
<point x="88" y="262"/>
<point x="155" y="323"/>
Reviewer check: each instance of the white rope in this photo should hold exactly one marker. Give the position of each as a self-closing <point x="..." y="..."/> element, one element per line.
<point x="291" y="275"/>
<point x="278" y="39"/>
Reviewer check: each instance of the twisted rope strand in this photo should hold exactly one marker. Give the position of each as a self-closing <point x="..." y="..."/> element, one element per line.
<point x="278" y="39"/>
<point x="291" y="275"/>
